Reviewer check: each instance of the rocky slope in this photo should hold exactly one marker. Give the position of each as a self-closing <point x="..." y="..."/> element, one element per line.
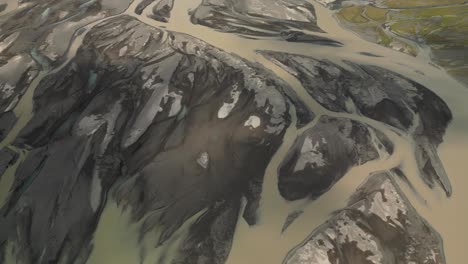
<point x="379" y="225"/>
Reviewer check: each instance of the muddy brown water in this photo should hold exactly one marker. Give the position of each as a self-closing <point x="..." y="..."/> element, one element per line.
<point x="116" y="240"/>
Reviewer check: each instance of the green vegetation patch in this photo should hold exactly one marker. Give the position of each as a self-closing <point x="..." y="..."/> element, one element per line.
<point x="440" y="24"/>
<point x="368" y="21"/>
<point x="421" y="3"/>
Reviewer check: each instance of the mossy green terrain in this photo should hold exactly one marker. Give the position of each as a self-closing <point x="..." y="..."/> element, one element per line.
<point x="369" y="21"/>
<point x="440" y="25"/>
<point x="420" y="3"/>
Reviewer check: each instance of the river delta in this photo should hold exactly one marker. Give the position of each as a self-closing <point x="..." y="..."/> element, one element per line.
<point x="224" y="131"/>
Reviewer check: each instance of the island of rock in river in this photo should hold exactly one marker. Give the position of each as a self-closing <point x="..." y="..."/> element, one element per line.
<point x="324" y="153"/>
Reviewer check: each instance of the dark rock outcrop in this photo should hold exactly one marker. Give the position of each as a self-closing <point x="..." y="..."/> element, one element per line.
<point x="381" y="95"/>
<point x="299" y="36"/>
<point x="173" y="124"/>
<point x="324" y="153"/>
<point x="369" y="54"/>
<point x="3" y="7"/>
<point x="379" y="225"/>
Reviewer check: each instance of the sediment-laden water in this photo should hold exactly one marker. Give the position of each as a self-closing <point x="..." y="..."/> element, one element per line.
<point x="116" y="238"/>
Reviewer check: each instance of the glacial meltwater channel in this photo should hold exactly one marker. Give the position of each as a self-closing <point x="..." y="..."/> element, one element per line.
<point x="116" y="241"/>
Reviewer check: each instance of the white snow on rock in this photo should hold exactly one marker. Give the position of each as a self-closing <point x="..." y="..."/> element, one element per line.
<point x="391" y="207"/>
<point x="350" y="232"/>
<point x="226" y="109"/>
<point x="123" y="51"/>
<point x="310" y="155"/>
<point x="253" y="122"/>
<point x="203" y="160"/>
<point x="313" y="251"/>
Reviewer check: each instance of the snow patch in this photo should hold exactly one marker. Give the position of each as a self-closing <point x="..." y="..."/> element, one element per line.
<point x="253" y="122"/>
<point x="310" y="155"/>
<point x="123" y="51"/>
<point x="350" y="232"/>
<point x="314" y="251"/>
<point x="203" y="160"/>
<point x="226" y="109"/>
<point x="391" y="207"/>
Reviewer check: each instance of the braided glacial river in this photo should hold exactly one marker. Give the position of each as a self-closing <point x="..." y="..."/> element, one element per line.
<point x="116" y="241"/>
